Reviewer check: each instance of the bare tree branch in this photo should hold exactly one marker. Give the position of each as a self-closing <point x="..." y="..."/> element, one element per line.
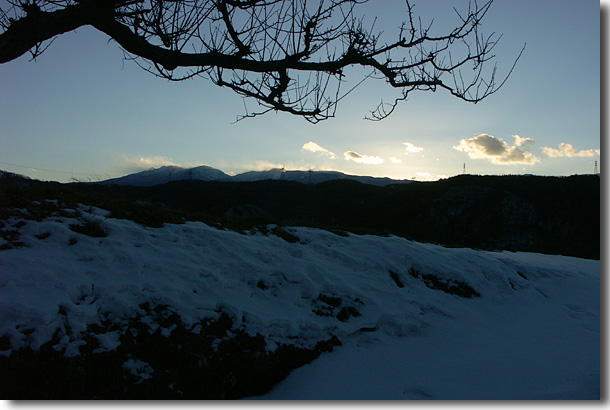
<point x="288" y="55"/>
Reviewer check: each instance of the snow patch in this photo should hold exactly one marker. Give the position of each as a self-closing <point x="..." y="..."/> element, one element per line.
<point x="529" y="330"/>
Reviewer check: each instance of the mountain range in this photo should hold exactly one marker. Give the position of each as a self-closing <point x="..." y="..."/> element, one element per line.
<point x="165" y="174"/>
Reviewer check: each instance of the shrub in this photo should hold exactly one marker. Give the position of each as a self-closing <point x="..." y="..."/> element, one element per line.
<point x="334" y="306"/>
<point x="43" y="235"/>
<point x="91" y="227"/>
<point x="210" y="360"/>
<point x="285" y="235"/>
<point x="11" y="237"/>
<point x="450" y="286"/>
<point x="346" y="312"/>
<point x="145" y="214"/>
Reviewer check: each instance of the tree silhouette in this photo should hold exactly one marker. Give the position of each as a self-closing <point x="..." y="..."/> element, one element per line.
<point x="289" y="55"/>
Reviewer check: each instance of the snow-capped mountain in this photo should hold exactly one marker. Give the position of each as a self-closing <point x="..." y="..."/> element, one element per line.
<point x="120" y="305"/>
<point x="311" y="177"/>
<point x="205" y="173"/>
<point x="167" y="174"/>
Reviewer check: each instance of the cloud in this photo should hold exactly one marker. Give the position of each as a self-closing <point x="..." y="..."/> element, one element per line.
<point x="234" y="168"/>
<point x="395" y="160"/>
<point x="520" y="141"/>
<point x="568" y="150"/>
<point x="427" y="176"/>
<point x="148" y="162"/>
<point x="313" y="147"/>
<point x="362" y="159"/>
<point x="265" y="166"/>
<point x="410" y="148"/>
<point x="495" y="150"/>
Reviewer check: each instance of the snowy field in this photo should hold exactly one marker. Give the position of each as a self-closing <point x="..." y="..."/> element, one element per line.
<point x="416" y="321"/>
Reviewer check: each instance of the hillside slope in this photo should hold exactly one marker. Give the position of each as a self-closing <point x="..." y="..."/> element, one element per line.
<point x="554" y="215"/>
<point x="97" y="307"/>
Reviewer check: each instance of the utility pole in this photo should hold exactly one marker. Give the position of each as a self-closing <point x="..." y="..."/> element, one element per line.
<point x="464" y="169"/>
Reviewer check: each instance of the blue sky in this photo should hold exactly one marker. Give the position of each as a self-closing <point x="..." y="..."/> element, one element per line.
<point x="82" y="111"/>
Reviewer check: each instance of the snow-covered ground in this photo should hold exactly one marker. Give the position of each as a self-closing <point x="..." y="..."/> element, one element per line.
<point x="531" y="330"/>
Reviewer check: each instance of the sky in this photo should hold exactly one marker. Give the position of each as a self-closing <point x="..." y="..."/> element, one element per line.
<point x="81" y="111"/>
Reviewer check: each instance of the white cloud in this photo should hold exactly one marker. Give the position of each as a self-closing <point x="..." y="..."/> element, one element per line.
<point x="410" y="148"/>
<point x="427" y="176"/>
<point x="362" y="159"/>
<point x="521" y="141"/>
<point x="265" y="166"/>
<point x="495" y="150"/>
<point x="147" y="162"/>
<point x="568" y="150"/>
<point x="395" y="160"/>
<point x="234" y="168"/>
<point x="423" y="175"/>
<point x="313" y="147"/>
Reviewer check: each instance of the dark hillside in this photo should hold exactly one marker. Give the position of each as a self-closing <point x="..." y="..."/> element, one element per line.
<point x="539" y="214"/>
<point x="556" y="215"/>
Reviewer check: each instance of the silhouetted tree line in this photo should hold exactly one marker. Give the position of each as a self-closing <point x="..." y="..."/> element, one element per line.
<point x="556" y="215"/>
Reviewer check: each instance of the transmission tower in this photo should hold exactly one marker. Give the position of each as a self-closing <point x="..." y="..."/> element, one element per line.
<point x="595" y="169"/>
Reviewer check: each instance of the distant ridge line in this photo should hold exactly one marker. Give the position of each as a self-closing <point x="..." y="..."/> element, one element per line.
<point x="171" y="173"/>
